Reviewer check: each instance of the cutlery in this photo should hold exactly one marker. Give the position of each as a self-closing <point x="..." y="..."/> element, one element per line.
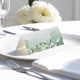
<point x="9" y="32"/>
<point x="31" y="28"/>
<point x="19" y="68"/>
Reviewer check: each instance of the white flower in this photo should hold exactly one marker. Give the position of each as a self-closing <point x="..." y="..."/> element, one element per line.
<point x="40" y="11"/>
<point x="44" y="12"/>
<point x="23" y="15"/>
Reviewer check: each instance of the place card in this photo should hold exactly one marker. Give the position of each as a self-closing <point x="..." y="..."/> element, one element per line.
<point x="32" y="42"/>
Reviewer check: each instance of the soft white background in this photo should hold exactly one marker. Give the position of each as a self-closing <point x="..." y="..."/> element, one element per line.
<point x="69" y="10"/>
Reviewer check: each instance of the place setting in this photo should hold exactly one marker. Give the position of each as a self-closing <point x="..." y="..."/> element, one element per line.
<point x="38" y="48"/>
<point x="42" y="46"/>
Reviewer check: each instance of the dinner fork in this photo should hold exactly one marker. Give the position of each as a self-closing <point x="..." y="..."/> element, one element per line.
<point x="19" y="68"/>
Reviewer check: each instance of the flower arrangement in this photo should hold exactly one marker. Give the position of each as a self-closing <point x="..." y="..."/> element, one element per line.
<point x="37" y="12"/>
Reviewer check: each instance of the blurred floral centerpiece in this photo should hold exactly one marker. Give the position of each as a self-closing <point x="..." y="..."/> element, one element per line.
<point x="37" y="12"/>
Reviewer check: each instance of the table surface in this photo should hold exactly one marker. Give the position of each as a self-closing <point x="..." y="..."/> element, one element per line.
<point x="69" y="27"/>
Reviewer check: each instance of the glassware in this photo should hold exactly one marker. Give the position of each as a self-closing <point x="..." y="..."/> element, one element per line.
<point x="4" y="9"/>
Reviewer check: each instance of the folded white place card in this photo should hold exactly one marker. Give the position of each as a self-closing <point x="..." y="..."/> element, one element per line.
<point x="31" y="42"/>
<point x="65" y="63"/>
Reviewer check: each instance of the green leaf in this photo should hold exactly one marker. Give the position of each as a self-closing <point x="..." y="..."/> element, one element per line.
<point x="31" y="1"/>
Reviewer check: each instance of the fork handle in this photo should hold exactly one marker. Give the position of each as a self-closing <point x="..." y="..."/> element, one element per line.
<point x="42" y="77"/>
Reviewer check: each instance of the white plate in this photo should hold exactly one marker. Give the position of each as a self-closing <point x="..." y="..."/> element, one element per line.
<point x="70" y="42"/>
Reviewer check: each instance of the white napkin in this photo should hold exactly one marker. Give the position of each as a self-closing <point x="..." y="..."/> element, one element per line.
<point x="65" y="63"/>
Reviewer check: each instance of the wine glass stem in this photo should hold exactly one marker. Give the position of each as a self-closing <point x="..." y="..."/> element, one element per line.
<point x="1" y="26"/>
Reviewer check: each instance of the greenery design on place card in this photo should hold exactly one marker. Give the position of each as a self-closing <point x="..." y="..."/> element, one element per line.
<point x="42" y="40"/>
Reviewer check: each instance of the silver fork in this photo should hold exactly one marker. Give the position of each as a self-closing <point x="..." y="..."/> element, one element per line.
<point x="19" y="68"/>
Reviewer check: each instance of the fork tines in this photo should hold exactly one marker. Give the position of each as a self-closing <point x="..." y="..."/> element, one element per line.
<point x="12" y="64"/>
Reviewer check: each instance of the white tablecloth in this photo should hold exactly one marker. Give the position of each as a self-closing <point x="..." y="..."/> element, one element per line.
<point x="69" y="27"/>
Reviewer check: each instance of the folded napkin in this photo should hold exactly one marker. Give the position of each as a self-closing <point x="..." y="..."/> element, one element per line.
<point x="65" y="63"/>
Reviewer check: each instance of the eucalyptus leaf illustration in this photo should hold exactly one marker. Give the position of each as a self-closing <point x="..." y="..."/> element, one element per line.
<point x="31" y="1"/>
